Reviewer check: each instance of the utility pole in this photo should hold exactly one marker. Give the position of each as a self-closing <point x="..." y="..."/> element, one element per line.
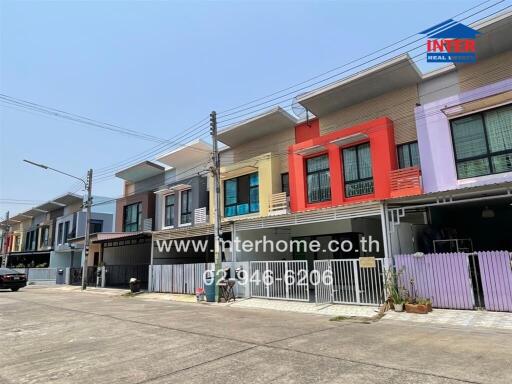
<point x="5" y="235"/>
<point x="216" y="203"/>
<point x="88" y="205"/>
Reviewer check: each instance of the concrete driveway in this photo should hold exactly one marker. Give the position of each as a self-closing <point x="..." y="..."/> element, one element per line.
<point x="57" y="336"/>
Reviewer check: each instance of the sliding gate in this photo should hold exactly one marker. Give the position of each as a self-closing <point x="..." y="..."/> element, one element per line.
<point x="347" y="282"/>
<point x="285" y="280"/>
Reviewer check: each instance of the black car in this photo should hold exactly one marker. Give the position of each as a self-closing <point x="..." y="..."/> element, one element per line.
<point x="11" y="279"/>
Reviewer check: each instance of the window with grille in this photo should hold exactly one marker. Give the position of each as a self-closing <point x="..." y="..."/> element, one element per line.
<point x="318" y="179"/>
<point x="357" y="170"/>
<point x="482" y="143"/>
<point x="241" y="195"/>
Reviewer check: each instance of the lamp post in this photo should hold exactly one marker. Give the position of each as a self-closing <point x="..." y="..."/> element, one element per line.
<point x="87" y="203"/>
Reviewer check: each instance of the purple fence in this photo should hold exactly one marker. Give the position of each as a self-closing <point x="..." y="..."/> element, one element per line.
<point x="442" y="277"/>
<point x="496" y="277"/>
<point x="455" y="280"/>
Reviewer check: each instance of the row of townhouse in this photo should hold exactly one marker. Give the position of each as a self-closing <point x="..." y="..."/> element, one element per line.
<point x="421" y="162"/>
<point x="45" y="235"/>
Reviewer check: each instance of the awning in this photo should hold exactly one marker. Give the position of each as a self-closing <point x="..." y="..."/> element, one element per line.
<point x="393" y="74"/>
<point x="494" y="38"/>
<point x="103" y="237"/>
<point x="489" y="191"/>
<point x="273" y="121"/>
<point x="186" y="232"/>
<point x="348" y="211"/>
<point x="68" y="199"/>
<point x="197" y="153"/>
<point x="140" y="171"/>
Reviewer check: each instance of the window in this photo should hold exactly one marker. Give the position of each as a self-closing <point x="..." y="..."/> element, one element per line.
<point x="408" y="155"/>
<point x="318" y="179"/>
<point x="60" y="233"/>
<point x="45" y="231"/>
<point x="66" y="232"/>
<point x="132" y="217"/>
<point x="31" y="240"/>
<point x="186" y="207"/>
<point x="241" y="195"/>
<point x="285" y="183"/>
<point x="357" y="170"/>
<point x="483" y="143"/>
<point x="169" y="211"/>
<point x="96" y="226"/>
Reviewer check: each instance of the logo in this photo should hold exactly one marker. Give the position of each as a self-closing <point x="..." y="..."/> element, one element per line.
<point x="450" y="42"/>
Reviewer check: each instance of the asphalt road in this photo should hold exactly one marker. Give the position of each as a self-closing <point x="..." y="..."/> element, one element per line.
<point x="54" y="336"/>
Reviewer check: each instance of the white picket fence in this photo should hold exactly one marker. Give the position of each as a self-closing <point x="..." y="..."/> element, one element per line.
<point x="185" y="278"/>
<point x="39" y="275"/>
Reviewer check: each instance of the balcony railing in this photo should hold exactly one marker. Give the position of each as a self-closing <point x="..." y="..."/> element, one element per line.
<point x="200" y="216"/>
<point x="405" y="182"/>
<point x="278" y="204"/>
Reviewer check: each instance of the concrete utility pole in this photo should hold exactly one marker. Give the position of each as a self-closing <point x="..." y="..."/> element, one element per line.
<point x="5" y="235"/>
<point x="88" y="205"/>
<point x="216" y="203"/>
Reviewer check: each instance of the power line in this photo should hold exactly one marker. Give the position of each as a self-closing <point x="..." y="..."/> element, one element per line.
<point x="266" y="105"/>
<point x="241" y="107"/>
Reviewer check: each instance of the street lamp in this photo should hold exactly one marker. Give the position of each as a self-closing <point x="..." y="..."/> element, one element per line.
<point x="88" y="203"/>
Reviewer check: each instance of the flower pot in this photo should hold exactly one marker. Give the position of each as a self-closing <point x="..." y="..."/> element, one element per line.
<point x="429" y="307"/>
<point x="399" y="307"/>
<point x="416" y="308"/>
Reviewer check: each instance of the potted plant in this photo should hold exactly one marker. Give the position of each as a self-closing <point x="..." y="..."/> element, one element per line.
<point x="417" y="305"/>
<point x="395" y="291"/>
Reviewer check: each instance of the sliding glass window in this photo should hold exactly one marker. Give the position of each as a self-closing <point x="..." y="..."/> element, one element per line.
<point x="483" y="143"/>
<point x="357" y="170"/>
<point x="408" y="155"/>
<point x="186" y="207"/>
<point x="132" y="220"/>
<point x="169" y="211"/>
<point x="241" y="195"/>
<point x="318" y="179"/>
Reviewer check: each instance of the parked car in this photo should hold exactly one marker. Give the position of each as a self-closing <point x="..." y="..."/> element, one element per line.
<point x="11" y="279"/>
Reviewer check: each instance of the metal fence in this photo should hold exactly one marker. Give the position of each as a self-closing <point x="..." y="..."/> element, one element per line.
<point x="75" y="276"/>
<point x="39" y="275"/>
<point x="460" y="280"/>
<point x="185" y="278"/>
<point x="288" y="280"/>
<point x="346" y="282"/>
<point x="118" y="276"/>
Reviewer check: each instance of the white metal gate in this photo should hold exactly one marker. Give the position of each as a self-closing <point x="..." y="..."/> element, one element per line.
<point x="345" y="282"/>
<point x="287" y="280"/>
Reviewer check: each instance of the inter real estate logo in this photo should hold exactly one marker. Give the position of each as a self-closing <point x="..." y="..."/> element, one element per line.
<point x="450" y="42"/>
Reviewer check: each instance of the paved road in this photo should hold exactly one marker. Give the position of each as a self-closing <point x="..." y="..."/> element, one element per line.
<point x="53" y="336"/>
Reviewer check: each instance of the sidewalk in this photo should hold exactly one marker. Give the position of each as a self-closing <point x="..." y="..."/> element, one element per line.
<point x="332" y="310"/>
<point x="457" y="318"/>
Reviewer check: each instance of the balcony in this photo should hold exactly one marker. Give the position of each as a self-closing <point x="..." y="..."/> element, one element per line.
<point x="405" y="182"/>
<point x="279" y="204"/>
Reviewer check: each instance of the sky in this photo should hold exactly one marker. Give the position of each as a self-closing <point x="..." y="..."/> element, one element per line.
<point x="158" y="67"/>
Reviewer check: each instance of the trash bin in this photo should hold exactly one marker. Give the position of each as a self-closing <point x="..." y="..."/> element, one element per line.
<point x="209" y="288"/>
<point x="134" y="285"/>
<point x="61" y="278"/>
